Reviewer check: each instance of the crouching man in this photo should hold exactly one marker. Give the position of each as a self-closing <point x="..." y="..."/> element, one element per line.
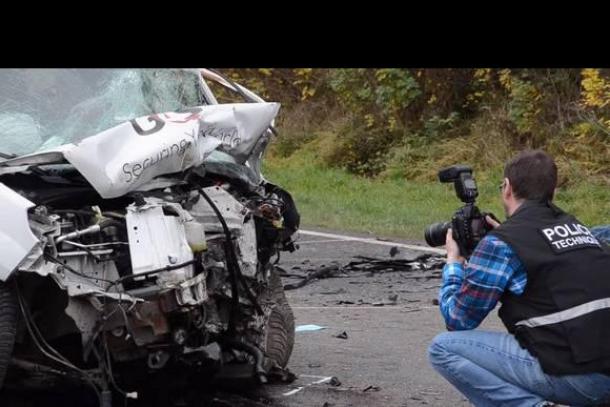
<point x="552" y="276"/>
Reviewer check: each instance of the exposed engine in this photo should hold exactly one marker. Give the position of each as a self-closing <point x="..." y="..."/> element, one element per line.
<point x="175" y="277"/>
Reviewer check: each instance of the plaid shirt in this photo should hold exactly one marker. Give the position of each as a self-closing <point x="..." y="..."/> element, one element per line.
<point x="469" y="293"/>
<point x="602" y="233"/>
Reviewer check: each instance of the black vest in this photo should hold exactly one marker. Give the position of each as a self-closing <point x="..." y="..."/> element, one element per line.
<point x="563" y="316"/>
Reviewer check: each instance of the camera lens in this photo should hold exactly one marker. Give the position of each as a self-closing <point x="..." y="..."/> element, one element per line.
<point x="436" y="234"/>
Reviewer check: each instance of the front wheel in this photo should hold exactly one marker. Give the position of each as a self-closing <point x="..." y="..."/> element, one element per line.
<point x="8" y="327"/>
<point x="280" y="324"/>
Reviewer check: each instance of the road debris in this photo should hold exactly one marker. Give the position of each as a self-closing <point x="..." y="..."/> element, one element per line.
<point x="334" y="381"/>
<point x="324" y="272"/>
<point x="394" y="251"/>
<point x="307" y="328"/>
<point x="342" y="335"/>
<point x="423" y="262"/>
<point x="427" y="266"/>
<point x="281" y="375"/>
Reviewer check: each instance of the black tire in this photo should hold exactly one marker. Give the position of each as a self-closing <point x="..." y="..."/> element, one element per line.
<point x="280" y="325"/>
<point x="8" y="327"/>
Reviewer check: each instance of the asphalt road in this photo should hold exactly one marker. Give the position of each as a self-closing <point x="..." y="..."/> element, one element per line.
<point x="389" y="319"/>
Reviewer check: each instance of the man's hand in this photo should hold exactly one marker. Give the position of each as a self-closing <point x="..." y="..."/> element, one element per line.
<point x="453" y="251"/>
<point x="491" y="221"/>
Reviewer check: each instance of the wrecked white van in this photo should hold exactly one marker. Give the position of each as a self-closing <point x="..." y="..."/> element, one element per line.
<point x="137" y="232"/>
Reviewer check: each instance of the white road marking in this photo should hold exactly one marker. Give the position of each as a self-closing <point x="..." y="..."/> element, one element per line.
<point x="372" y="241"/>
<point x="326" y="379"/>
<point x="295" y="391"/>
<point x="313" y="376"/>
<point x="322" y="241"/>
<point x="322" y="379"/>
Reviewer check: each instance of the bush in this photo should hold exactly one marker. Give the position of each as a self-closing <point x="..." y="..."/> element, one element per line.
<point x="361" y="148"/>
<point x="409" y="122"/>
<point x="483" y="145"/>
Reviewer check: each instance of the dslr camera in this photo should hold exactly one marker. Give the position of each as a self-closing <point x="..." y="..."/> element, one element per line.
<point x="468" y="224"/>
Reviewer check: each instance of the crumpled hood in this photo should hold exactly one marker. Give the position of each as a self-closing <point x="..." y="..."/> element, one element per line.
<point x="125" y="157"/>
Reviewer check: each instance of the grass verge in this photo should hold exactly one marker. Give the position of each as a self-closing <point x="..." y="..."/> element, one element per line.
<point x="336" y="199"/>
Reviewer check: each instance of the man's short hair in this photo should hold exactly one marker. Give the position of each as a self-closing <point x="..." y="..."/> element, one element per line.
<point x="532" y="175"/>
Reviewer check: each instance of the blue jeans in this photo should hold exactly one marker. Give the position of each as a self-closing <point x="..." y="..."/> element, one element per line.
<point x="491" y="369"/>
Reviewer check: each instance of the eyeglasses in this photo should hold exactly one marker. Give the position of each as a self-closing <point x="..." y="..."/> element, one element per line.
<point x="502" y="185"/>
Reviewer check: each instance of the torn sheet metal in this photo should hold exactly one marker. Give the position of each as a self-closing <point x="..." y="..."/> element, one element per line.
<point x="16" y="238"/>
<point x="239" y="221"/>
<point x="135" y="152"/>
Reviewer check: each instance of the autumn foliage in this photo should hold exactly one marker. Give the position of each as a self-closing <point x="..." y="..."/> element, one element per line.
<point x="408" y="122"/>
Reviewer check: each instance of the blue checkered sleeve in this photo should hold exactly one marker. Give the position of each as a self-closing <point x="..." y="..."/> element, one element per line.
<point x="468" y="293"/>
<point x="602" y="233"/>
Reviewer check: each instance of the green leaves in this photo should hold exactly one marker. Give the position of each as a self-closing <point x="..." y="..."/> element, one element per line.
<point x="524" y="105"/>
<point x="396" y="89"/>
<point x="374" y="113"/>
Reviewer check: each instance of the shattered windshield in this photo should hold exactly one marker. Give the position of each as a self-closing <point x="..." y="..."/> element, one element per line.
<point x="45" y="108"/>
